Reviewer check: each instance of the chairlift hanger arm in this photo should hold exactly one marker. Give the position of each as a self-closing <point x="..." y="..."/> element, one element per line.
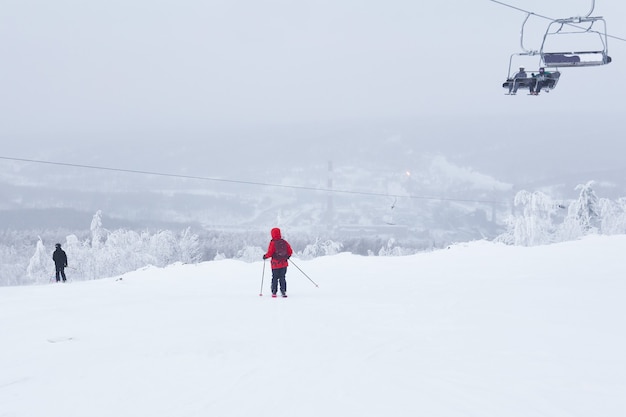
<point x="521" y="41"/>
<point x="593" y="6"/>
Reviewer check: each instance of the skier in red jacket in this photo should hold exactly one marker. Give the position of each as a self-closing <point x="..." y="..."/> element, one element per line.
<point x="279" y="250"/>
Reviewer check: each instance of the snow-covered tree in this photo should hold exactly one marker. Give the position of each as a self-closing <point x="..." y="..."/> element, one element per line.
<point x="391" y="249"/>
<point x="612" y="215"/>
<point x="250" y="254"/>
<point x="164" y="248"/>
<point x="583" y="215"/>
<point x="12" y="270"/>
<point x="98" y="233"/>
<point x="321" y="248"/>
<point x="189" y="247"/>
<point x="586" y="209"/>
<point x="533" y="226"/>
<point x="39" y="267"/>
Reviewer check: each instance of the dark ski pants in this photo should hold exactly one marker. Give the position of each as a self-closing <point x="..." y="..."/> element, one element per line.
<point x="278" y="277"/>
<point x="60" y="271"/>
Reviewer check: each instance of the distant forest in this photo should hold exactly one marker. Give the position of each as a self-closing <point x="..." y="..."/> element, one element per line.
<point x="98" y="252"/>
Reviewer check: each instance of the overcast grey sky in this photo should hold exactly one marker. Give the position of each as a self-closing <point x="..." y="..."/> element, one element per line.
<point x="147" y="71"/>
<point x="191" y="64"/>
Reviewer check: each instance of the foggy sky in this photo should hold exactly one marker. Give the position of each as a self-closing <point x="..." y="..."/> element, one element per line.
<point x="152" y="73"/>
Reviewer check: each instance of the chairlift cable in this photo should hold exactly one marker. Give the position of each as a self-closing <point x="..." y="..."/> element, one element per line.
<point x="549" y="18"/>
<point x="254" y="183"/>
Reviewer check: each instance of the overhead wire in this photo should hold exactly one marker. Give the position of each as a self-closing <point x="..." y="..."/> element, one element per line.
<point x="252" y="183"/>
<point x="547" y="17"/>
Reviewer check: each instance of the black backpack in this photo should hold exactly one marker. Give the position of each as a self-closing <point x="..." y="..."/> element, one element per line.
<point x="280" y="253"/>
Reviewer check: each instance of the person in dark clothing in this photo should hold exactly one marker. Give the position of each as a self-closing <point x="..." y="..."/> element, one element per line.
<point x="543" y="80"/>
<point x="280" y="251"/>
<point x="517" y="80"/>
<point x="60" y="262"/>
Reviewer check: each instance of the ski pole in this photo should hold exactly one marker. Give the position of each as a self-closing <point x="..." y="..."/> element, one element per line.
<point x="262" y="276"/>
<point x="293" y="263"/>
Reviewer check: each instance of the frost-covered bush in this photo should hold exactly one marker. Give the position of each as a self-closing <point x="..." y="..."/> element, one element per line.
<point x="109" y="253"/>
<point x="219" y="256"/>
<point x="250" y="254"/>
<point x="321" y="248"/>
<point x="585" y="209"/>
<point x="583" y="215"/>
<point x="391" y="249"/>
<point x="38" y="270"/>
<point x="534" y="222"/>
<point x="612" y="216"/>
<point x="533" y="225"/>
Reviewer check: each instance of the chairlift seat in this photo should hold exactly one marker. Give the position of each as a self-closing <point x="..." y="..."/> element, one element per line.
<point x="561" y="60"/>
<point x="524" y="83"/>
<point x="528" y="82"/>
<point x="574" y="59"/>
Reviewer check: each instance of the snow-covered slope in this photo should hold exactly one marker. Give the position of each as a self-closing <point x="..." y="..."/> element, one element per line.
<point x="478" y="329"/>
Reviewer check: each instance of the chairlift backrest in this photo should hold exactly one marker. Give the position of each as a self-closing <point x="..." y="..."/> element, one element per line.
<point x="579" y="57"/>
<point x="575" y="59"/>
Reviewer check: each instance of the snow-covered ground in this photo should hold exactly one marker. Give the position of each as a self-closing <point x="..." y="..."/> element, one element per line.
<point x="478" y="329"/>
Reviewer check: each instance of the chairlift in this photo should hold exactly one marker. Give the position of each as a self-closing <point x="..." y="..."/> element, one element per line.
<point x="587" y="46"/>
<point x="514" y="81"/>
<point x="588" y="29"/>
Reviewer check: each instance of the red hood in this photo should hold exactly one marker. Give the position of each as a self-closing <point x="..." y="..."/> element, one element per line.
<point x="276" y="233"/>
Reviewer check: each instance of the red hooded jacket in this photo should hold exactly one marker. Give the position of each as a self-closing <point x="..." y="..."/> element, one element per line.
<point x="277" y="263"/>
